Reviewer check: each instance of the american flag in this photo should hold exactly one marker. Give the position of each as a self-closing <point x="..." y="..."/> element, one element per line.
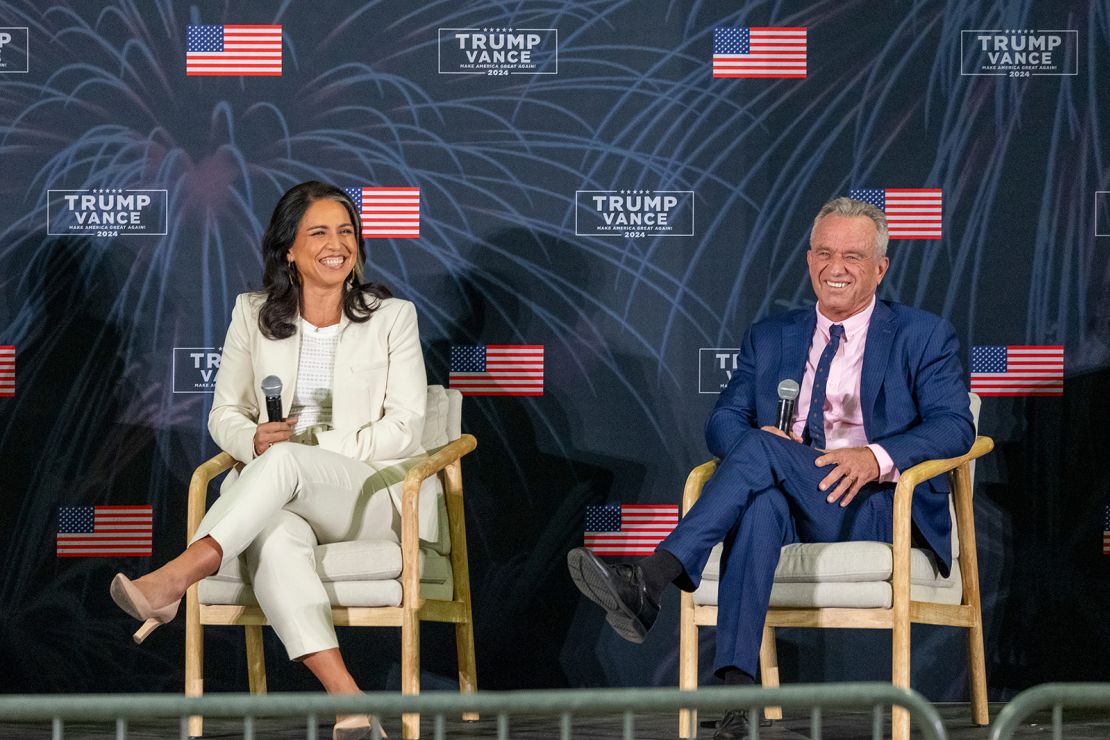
<point x="497" y="369"/>
<point x="388" y="213"/>
<point x="1017" y="371"/>
<point x="104" y="531"/>
<point x="911" y="213"/>
<point x="7" y="370"/>
<point x="214" y="51"/>
<point x="628" y="529"/>
<point x="759" y="52"/>
<point x="1106" y="530"/>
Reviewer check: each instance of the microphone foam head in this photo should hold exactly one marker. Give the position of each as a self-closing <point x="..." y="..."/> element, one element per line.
<point x="271" y="385"/>
<point x="788" y="389"/>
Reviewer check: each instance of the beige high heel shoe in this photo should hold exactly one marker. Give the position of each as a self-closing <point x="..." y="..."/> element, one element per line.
<point x="356" y="728"/>
<point x="131" y="600"/>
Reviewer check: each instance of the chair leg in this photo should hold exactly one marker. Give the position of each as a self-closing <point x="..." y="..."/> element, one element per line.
<point x="900" y="717"/>
<point x="468" y="664"/>
<point x="451" y="478"/>
<point x="977" y="674"/>
<point x="194" y="656"/>
<point x="410" y="670"/>
<point x="769" y="668"/>
<point x="687" y="664"/>
<point x="256" y="659"/>
<point x="969" y="571"/>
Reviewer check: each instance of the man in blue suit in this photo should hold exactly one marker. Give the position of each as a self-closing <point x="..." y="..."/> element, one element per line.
<point x="882" y="389"/>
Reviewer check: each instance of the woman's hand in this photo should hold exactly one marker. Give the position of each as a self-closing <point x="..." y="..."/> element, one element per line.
<point x="268" y="434"/>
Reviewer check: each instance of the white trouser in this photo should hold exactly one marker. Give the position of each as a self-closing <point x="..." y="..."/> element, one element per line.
<point x="285" y="502"/>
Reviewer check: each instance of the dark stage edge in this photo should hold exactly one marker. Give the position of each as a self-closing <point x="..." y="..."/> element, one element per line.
<point x="842" y="725"/>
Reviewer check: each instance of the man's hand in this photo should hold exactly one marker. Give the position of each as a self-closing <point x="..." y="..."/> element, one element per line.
<point x="855" y="468"/>
<point x="779" y="433"/>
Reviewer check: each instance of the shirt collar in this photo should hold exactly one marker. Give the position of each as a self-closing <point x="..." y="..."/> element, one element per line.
<point x="854" y="325"/>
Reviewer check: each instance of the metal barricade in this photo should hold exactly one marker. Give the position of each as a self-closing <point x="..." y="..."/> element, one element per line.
<point x="1045" y="696"/>
<point x="564" y="704"/>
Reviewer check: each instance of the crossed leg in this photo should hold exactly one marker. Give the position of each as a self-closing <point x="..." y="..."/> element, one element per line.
<point x="765" y="494"/>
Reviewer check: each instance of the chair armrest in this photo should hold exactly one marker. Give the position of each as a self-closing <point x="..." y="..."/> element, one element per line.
<point x="694" y="483"/>
<point x="431" y="465"/>
<point x="198" y="489"/>
<point x="903" y="499"/>
<point x="923" y="471"/>
<point x="903" y="493"/>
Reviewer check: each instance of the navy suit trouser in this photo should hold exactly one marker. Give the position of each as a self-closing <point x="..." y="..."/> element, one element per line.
<point x="764" y="495"/>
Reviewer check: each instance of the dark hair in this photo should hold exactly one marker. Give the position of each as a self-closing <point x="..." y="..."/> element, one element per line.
<point x="280" y="280"/>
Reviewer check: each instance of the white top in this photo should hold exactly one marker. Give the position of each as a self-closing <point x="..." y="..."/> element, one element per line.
<point x="312" y="399"/>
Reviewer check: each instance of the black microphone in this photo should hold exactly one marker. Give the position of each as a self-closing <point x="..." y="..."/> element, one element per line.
<point x="788" y="393"/>
<point x="271" y="388"/>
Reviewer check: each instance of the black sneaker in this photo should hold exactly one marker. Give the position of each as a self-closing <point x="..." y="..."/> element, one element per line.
<point x="618" y="589"/>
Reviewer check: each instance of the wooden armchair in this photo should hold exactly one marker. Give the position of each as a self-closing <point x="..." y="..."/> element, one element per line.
<point x="808" y="593"/>
<point x="437" y="589"/>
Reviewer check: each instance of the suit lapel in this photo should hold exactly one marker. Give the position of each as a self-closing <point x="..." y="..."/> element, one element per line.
<point x="797" y="336"/>
<point x="880" y="339"/>
<point x="280" y="357"/>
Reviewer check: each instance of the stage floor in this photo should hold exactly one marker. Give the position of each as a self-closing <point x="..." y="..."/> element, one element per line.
<point x="1078" y="725"/>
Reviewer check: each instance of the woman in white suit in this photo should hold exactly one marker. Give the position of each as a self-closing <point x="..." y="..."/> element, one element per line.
<point x="353" y="400"/>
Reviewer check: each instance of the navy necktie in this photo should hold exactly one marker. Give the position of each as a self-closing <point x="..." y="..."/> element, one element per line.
<point x="815" y="424"/>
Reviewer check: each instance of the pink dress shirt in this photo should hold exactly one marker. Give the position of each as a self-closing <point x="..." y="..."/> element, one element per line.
<point x="843" y="409"/>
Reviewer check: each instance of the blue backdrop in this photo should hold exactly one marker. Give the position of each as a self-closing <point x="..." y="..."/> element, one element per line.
<point x="621" y="97"/>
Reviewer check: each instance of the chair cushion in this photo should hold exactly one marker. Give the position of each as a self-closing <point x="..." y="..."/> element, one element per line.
<point x="341" y="593"/>
<point x="357" y="569"/>
<point x="442" y="423"/>
<point x="435" y="418"/>
<point x="374" y="560"/>
<point x="454" y="414"/>
<point x="442" y="544"/>
<point x="955" y="530"/>
<point x="976" y="403"/>
<point x="857" y="595"/>
<point x="842" y="574"/>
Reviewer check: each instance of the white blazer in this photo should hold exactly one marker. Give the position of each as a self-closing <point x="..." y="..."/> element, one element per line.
<point x="379" y="390"/>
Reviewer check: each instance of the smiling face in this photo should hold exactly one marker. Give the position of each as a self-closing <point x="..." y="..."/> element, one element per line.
<point x="843" y="265"/>
<point x="325" y="248"/>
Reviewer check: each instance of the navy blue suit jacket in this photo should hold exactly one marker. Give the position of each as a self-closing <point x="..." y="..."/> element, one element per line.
<point x="914" y="397"/>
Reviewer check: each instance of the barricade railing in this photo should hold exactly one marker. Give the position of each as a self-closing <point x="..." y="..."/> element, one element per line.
<point x="1052" y="696"/>
<point x="564" y="704"/>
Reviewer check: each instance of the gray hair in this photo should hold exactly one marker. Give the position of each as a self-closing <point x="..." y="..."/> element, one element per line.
<point x="851" y="207"/>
